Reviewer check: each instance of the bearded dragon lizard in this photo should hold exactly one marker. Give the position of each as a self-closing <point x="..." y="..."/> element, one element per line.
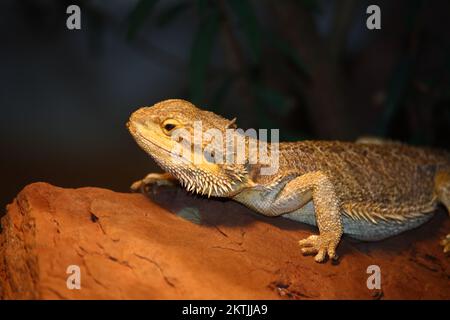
<point x="367" y="190"/>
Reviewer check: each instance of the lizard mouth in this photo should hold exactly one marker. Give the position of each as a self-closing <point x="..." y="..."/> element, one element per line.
<point x="147" y="142"/>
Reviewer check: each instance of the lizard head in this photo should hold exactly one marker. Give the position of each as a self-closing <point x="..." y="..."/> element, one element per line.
<point x="169" y="132"/>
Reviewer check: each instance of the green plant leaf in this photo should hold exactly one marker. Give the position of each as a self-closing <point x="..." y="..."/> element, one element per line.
<point x="201" y="53"/>
<point x="202" y="7"/>
<point x="138" y="16"/>
<point x="222" y="91"/>
<point x="171" y="13"/>
<point x="289" y="53"/>
<point x="396" y="91"/>
<point x="272" y="99"/>
<point x="96" y="30"/>
<point x="249" y="25"/>
<point x="310" y="5"/>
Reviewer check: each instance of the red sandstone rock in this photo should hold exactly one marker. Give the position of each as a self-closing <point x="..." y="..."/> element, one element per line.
<point x="128" y="247"/>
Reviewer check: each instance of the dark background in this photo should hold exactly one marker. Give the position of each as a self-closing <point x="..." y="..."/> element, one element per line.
<point x="310" y="68"/>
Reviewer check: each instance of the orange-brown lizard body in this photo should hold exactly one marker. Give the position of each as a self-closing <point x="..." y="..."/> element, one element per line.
<point x="369" y="191"/>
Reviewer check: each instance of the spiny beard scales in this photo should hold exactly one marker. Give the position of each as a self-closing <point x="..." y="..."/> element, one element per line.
<point x="198" y="180"/>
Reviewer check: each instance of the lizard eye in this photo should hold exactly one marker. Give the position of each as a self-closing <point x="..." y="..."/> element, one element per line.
<point x="168" y="126"/>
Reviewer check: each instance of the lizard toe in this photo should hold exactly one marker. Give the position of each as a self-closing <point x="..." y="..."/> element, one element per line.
<point x="136" y="186"/>
<point x="158" y="179"/>
<point x="308" y="251"/>
<point x="311" y="241"/>
<point x="320" y="245"/>
<point x="446" y="244"/>
<point x="150" y="181"/>
<point x="332" y="252"/>
<point x="321" y="255"/>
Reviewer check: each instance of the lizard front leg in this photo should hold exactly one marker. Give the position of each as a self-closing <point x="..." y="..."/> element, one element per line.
<point x="326" y="207"/>
<point x="158" y="179"/>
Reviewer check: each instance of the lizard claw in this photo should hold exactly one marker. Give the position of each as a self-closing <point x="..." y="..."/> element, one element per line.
<point x="152" y="179"/>
<point x="446" y="244"/>
<point x="320" y="245"/>
<point x="136" y="186"/>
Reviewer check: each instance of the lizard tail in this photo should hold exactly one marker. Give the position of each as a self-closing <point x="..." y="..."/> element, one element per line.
<point x="442" y="187"/>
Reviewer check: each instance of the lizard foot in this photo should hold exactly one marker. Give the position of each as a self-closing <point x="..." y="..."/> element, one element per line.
<point x="320" y="245"/>
<point x="152" y="179"/>
<point x="446" y="244"/>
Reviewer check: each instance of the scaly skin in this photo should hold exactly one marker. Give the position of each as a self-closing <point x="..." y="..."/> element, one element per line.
<point x="369" y="190"/>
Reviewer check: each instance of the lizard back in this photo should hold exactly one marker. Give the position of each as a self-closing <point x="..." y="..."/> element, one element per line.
<point x="371" y="180"/>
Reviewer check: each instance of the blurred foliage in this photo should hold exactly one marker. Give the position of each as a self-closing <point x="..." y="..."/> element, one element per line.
<point x="249" y="26"/>
<point x="271" y="69"/>
<point x="238" y="20"/>
<point x="253" y="49"/>
<point x="139" y="15"/>
<point x="410" y="94"/>
<point x="202" y="46"/>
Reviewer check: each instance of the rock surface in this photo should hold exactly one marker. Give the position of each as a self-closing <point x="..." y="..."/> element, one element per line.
<point x="187" y="247"/>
